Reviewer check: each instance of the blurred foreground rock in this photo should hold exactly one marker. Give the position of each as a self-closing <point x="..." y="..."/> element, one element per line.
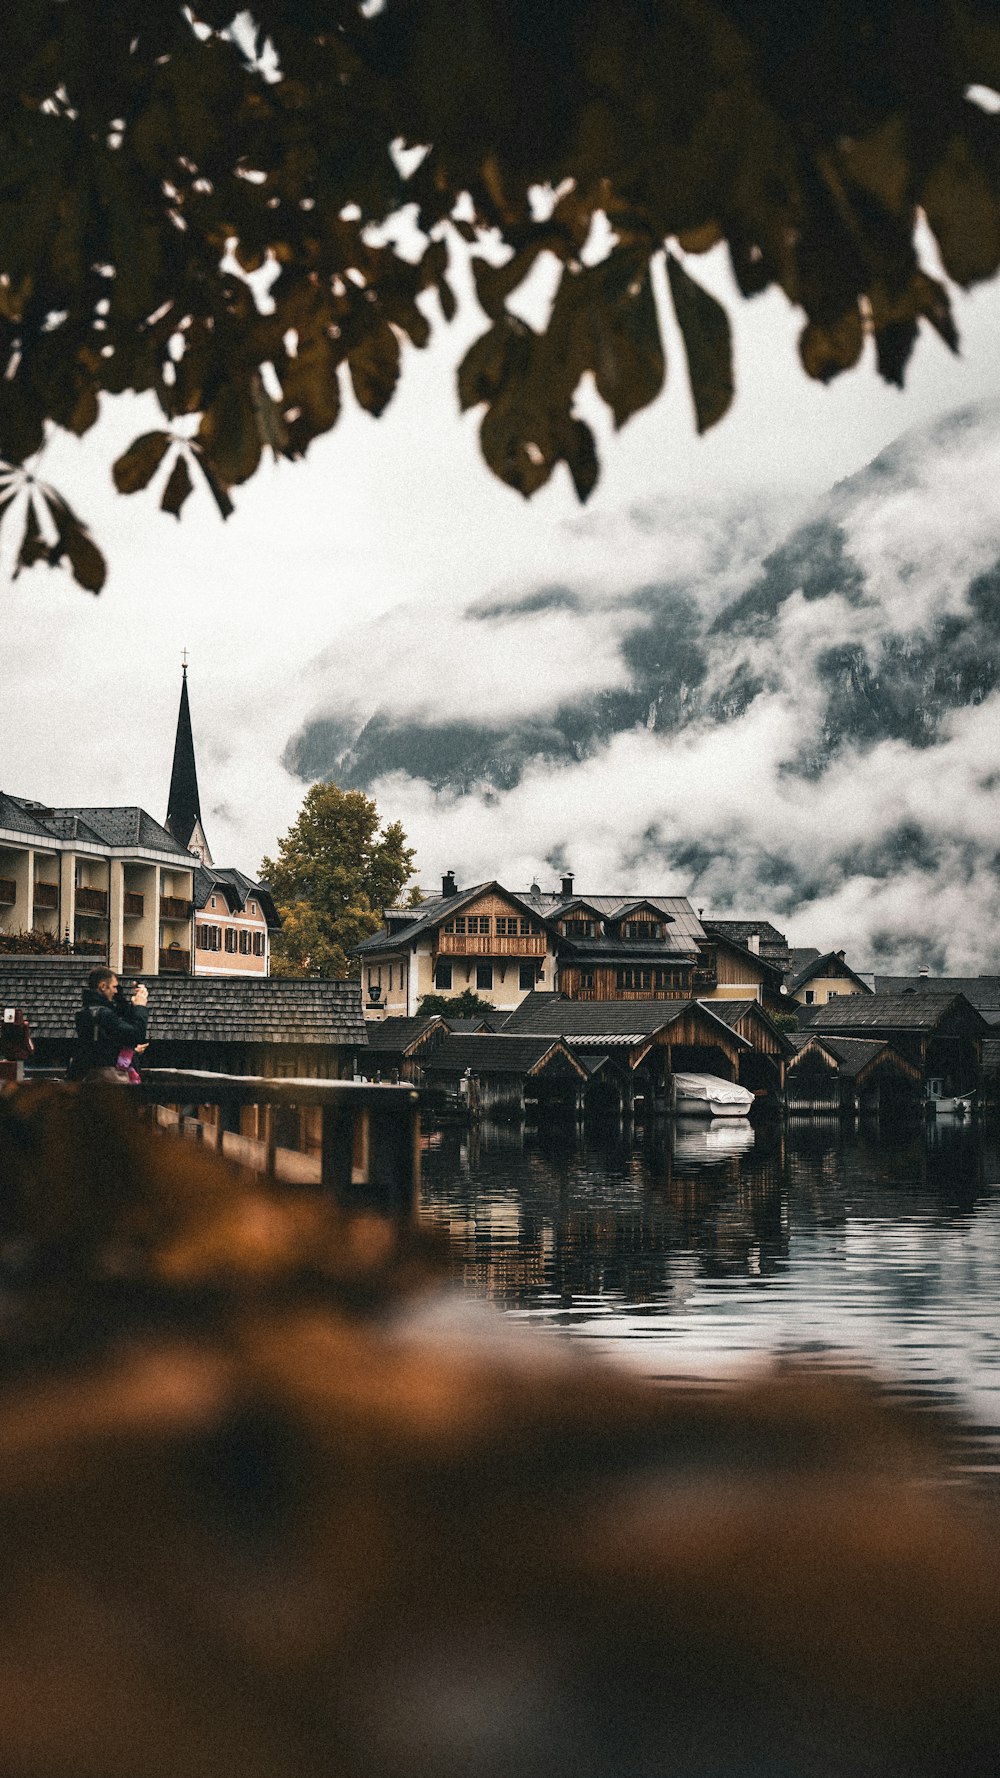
<point x="268" y="1506"/>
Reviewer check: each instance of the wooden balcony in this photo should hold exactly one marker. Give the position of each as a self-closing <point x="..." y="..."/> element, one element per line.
<point x="175" y="962"/>
<point x="133" y="905"/>
<point x="90" y="947"/>
<point x="132" y="957"/>
<point x="173" y="908"/>
<point x="8" y="892"/>
<point x="46" y="895"/>
<point x="491" y="944"/>
<point x="92" y="901"/>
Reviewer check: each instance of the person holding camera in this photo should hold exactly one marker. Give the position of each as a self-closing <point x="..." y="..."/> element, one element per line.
<point x="110" y="1028"/>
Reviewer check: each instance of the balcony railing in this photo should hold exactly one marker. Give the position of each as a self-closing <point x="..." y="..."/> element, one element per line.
<point x="8" y="892"/>
<point x="491" y="944"/>
<point x="175" y="962"/>
<point x="133" y="905"/>
<point x="90" y="947"/>
<point x="91" y="901"/>
<point x="172" y="907"/>
<point x="132" y="957"/>
<point x="46" y="895"/>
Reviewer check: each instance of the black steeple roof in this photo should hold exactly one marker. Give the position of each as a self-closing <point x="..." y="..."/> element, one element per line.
<point x="183" y="806"/>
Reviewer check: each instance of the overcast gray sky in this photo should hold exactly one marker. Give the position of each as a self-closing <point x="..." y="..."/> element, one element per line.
<point x="402" y="512"/>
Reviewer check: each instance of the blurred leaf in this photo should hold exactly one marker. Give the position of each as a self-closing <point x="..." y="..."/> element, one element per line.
<point x="699" y="240"/>
<point x="490" y="359"/>
<point x="136" y="467"/>
<point x="33" y="546"/>
<point x="494" y="283"/>
<point x="580" y="454"/>
<point x="216" y="489"/>
<point x="961" y="207"/>
<point x="826" y="351"/>
<point x="75" y="542"/>
<point x="229" y="436"/>
<point x="704" y="325"/>
<point x="374" y="368"/>
<point x="628" y="360"/>
<point x="179" y="485"/>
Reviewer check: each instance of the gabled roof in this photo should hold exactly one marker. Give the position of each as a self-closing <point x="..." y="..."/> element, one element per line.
<point x="236" y="887"/>
<point x="799" y="957"/>
<point x="632" y="907"/>
<point x="675" y="908"/>
<point x="402" y="1036"/>
<point x="731" y="1012"/>
<point x="427" y="914"/>
<point x="886" y="1013"/>
<point x="613" y="1021"/>
<point x="497" y="1053"/>
<point x="186" y="1009"/>
<point x="825" y="963"/>
<point x="773" y="944"/>
<point x="852" y="1055"/>
<point x="982" y="990"/>
<point x="773" y="971"/>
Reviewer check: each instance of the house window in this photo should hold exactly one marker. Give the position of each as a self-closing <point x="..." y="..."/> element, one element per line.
<point x="484" y="975"/>
<point x="506" y="927"/>
<point x="579" y="928"/>
<point x="810" y="996"/>
<point x="213" y="901"/>
<point x="527" y="928"/>
<point x="586" y="981"/>
<point x="208" y="938"/>
<point x="634" y="981"/>
<point x="230" y="939"/>
<point x="442" y="976"/>
<point x="258" y="944"/>
<point x="526" y="977"/>
<point x="252" y="907"/>
<point x="479" y="923"/>
<point x="390" y="978"/>
<point x="244" y="943"/>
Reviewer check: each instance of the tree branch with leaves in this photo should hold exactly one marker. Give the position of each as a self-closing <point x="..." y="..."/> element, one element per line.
<point x="155" y="157"/>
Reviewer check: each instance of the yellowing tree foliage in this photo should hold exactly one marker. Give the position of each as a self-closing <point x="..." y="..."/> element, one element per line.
<point x="333" y="875"/>
<point x="143" y="145"/>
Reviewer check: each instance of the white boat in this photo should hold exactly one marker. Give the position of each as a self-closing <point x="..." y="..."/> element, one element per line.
<point x="708" y="1095"/>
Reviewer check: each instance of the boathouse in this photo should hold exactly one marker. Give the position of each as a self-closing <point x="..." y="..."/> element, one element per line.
<point x="652" y="1039"/>
<point x="502" y="1076"/>
<point x="940" y="1034"/>
<point x="850" y="1074"/>
<point x="397" y="1048"/>
<point x="762" y="1067"/>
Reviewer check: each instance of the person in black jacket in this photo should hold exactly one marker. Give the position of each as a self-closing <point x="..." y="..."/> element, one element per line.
<point x="108" y="1024"/>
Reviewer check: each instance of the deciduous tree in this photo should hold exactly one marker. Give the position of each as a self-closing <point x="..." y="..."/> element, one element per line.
<point x="334" y="873"/>
<point x="153" y="157"/>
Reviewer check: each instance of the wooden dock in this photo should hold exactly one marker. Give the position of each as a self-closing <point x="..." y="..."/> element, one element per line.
<point x="367" y="1150"/>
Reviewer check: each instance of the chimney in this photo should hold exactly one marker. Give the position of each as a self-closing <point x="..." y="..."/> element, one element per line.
<point x="567" y="883"/>
<point x="924" y="969"/>
<point x="753" y="944"/>
<point x="448" y="884"/>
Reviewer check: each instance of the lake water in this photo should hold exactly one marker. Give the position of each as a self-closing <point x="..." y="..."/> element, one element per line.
<point x="691" y="1251"/>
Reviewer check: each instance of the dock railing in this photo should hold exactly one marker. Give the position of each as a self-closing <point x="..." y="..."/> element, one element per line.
<point x="369" y="1134"/>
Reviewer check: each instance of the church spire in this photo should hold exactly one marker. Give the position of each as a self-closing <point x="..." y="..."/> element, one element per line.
<point x="183" y="805"/>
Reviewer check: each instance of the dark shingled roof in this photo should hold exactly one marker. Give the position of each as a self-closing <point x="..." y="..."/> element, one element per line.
<point x="125" y="826"/>
<point x="18" y="815"/>
<point x="398" y="1036"/>
<point x="211" y="879"/>
<point x="982" y="990"/>
<point x="852" y="1053"/>
<point x="192" y="1009"/>
<point x="592" y="1020"/>
<point x="495" y="1053"/>
<point x="773" y="944"/>
<point x="681" y="938"/>
<point x="732" y="1011"/>
<point x="886" y="1013"/>
<point x="829" y="962"/>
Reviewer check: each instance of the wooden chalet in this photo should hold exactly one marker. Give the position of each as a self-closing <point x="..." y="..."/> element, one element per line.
<point x="940" y="1034"/>
<point x="496" y="1075"/>
<point x="624" y="948"/>
<point x="730" y="970"/>
<point x="850" y="1074"/>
